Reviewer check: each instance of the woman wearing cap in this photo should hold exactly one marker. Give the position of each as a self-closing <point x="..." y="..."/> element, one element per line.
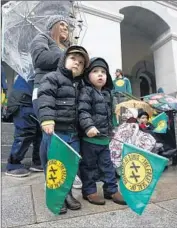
<point x="46" y="49"/>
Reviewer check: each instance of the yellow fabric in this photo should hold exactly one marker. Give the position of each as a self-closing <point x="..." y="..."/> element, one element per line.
<point x="47" y="122"/>
<point x="3" y="97"/>
<point x="134" y="104"/>
<point x="151" y="118"/>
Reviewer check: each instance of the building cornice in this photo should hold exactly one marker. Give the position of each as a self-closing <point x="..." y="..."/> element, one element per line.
<point x="165" y="38"/>
<point x="102" y="14"/>
<point x="169" y="4"/>
<point x="173" y="3"/>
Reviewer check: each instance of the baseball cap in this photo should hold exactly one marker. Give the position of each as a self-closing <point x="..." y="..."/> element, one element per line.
<point x="81" y="50"/>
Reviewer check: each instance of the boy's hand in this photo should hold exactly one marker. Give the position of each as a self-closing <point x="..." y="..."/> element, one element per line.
<point x="92" y="132"/>
<point x="49" y="129"/>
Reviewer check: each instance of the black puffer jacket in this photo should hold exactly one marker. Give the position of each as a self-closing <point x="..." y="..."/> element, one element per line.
<point x="45" y="56"/>
<point x="95" y="107"/>
<point x="57" y="98"/>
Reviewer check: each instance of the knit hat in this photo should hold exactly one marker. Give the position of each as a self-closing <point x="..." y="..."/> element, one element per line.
<point x="81" y="50"/>
<point x="100" y="62"/>
<point x="54" y="19"/>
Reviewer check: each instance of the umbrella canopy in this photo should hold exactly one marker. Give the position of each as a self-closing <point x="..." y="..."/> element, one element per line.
<point x="134" y="104"/>
<point x="161" y="101"/>
<point x="21" y="22"/>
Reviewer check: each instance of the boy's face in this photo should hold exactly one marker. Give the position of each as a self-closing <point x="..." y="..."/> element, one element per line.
<point x="143" y="119"/>
<point x="75" y="62"/>
<point x="98" y="77"/>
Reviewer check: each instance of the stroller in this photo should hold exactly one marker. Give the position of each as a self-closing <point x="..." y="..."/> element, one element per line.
<point x="162" y="144"/>
<point x="129" y="133"/>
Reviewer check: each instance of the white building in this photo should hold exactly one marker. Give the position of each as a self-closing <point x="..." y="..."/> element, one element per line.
<point x="138" y="36"/>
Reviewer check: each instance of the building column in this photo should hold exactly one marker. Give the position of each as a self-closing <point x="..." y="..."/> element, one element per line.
<point x="102" y="38"/>
<point x="165" y="62"/>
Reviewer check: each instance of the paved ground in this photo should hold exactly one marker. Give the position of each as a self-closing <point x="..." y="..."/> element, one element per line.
<point x="23" y="202"/>
<point x="23" y="206"/>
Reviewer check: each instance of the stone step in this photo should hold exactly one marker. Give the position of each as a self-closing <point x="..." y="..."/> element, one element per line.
<point x="7" y="127"/>
<point x="7" y="133"/>
<point x="7" y="138"/>
<point x="5" y="150"/>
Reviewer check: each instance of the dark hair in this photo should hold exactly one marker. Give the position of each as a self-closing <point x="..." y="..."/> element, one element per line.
<point x="120" y="71"/>
<point x="143" y="113"/>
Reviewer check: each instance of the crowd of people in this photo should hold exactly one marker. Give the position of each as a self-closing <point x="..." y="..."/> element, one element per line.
<point x="70" y="95"/>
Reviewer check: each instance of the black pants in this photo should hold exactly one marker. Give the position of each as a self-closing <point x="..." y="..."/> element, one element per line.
<point x="96" y="157"/>
<point x="27" y="131"/>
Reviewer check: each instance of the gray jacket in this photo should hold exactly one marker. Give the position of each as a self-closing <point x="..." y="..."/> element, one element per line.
<point x="45" y="56"/>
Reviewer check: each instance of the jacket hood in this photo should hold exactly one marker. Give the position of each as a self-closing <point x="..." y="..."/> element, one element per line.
<point x="98" y="62"/>
<point x="62" y="68"/>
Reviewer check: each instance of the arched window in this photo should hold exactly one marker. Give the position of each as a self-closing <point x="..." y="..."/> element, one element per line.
<point x="145" y="85"/>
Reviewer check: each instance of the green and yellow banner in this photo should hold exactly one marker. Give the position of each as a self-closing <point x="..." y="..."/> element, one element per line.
<point x="141" y="171"/>
<point x="3" y="98"/>
<point x="160" y="123"/>
<point x="62" y="168"/>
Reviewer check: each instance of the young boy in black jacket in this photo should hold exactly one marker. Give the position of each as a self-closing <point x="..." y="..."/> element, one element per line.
<point x="57" y="102"/>
<point x="95" y="118"/>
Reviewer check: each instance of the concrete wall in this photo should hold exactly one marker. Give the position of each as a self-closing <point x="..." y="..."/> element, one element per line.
<point x="102" y="39"/>
<point x="136" y="53"/>
<point x="165" y="60"/>
<point x="174" y="46"/>
<point x="135" y="47"/>
<point x="162" y="9"/>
